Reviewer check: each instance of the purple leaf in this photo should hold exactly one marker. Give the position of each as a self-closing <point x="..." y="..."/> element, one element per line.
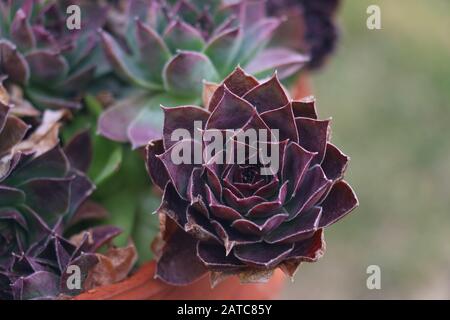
<point x="260" y="255"/>
<point x="261" y="227"/>
<point x="80" y="189"/>
<point x="21" y="31"/>
<point x="47" y="66"/>
<point x="213" y="256"/>
<point x="241" y="204"/>
<point x="267" y="96"/>
<point x="309" y="250"/>
<point x="39" y="285"/>
<point x="239" y="82"/>
<point x="334" y="163"/>
<point x="340" y="201"/>
<point x="79" y="151"/>
<point x="297" y="229"/>
<point x="313" y="136"/>
<point x="50" y="197"/>
<point x="296" y="162"/>
<point x="267" y="208"/>
<point x="173" y="206"/>
<point x="52" y="164"/>
<point x="12" y="63"/>
<point x="182" y="118"/>
<point x="199" y="226"/>
<point x="285" y="61"/>
<point x="283" y="120"/>
<point x="230" y="104"/>
<point x="179" y="264"/>
<point x="311" y="190"/>
<point x="155" y="167"/>
<point x="232" y="237"/>
<point x="114" y="122"/>
<point x="180" y="173"/>
<point x="305" y="108"/>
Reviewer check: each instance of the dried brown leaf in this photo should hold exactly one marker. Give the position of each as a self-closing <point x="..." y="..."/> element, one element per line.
<point x="45" y="137"/>
<point x="113" y="266"/>
<point x="20" y="106"/>
<point x="208" y="90"/>
<point x="4" y="96"/>
<point x="255" y="276"/>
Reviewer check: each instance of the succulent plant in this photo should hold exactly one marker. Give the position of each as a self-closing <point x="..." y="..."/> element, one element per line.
<point x="165" y="49"/>
<point x="51" y="63"/>
<point x="229" y="218"/>
<point x="309" y="27"/>
<point x="42" y="188"/>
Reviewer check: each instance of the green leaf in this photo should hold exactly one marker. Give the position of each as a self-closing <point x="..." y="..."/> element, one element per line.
<point x="182" y="36"/>
<point x="123" y="195"/>
<point x="106" y="161"/>
<point x="121" y="207"/>
<point x="94" y="106"/>
<point x="223" y="48"/>
<point x="184" y="73"/>
<point x="146" y="226"/>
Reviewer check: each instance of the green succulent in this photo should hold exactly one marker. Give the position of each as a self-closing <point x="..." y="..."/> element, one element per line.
<point x="165" y="50"/>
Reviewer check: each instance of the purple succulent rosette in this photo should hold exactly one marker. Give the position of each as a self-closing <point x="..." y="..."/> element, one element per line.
<point x="228" y="218"/>
<point x="164" y="49"/>
<point x="309" y="27"/>
<point x="41" y="193"/>
<point x="51" y="63"/>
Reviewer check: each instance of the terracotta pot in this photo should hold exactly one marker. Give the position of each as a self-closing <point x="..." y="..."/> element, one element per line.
<point x="301" y="87"/>
<point x="143" y="286"/>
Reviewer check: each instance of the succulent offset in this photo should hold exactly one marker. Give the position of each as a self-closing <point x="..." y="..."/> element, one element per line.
<point x="166" y="49"/>
<point x="228" y="218"/>
<point x="38" y="52"/>
<point x="42" y="188"/>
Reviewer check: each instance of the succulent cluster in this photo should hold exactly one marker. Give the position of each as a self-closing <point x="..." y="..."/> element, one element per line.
<point x="41" y="189"/>
<point x="57" y="176"/>
<point x="166" y="49"/>
<point x="51" y="63"/>
<point x="229" y="218"/>
<point x="309" y="26"/>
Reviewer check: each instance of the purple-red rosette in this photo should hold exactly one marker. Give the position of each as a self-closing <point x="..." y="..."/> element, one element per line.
<point x="228" y="219"/>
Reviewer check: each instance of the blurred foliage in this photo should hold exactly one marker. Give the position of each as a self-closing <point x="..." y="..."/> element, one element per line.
<point x="123" y="187"/>
<point x="388" y="92"/>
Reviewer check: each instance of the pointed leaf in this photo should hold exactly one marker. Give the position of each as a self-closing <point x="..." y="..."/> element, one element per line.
<point x="12" y="63"/>
<point x="267" y="96"/>
<point x="339" y="202"/>
<point x="261" y="255"/>
<point x="181" y="36"/>
<point x="286" y="62"/>
<point x="153" y="51"/>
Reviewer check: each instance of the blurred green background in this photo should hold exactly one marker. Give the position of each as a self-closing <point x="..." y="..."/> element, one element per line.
<point x="388" y="92"/>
